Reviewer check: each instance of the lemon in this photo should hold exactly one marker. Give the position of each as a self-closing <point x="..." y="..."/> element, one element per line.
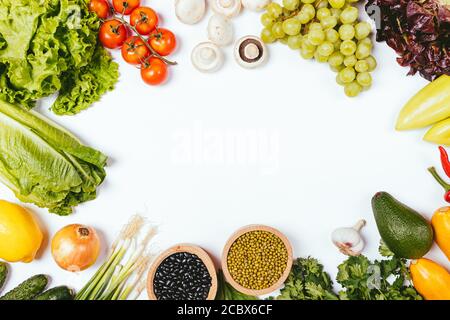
<point x="20" y="234"/>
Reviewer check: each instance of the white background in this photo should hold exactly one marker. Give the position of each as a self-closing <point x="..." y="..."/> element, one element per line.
<point x="329" y="153"/>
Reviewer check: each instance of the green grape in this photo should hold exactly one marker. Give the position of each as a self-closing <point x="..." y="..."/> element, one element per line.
<point x="352" y="89"/>
<point x="308" y="1"/>
<point x="328" y="22"/>
<point x="335" y="12"/>
<point x="321" y="4"/>
<point x="347" y="75"/>
<point x="336" y="4"/>
<point x="267" y="36"/>
<point x="362" y="66"/>
<point x="291" y="4"/>
<point x="292" y="26"/>
<point x="320" y="58"/>
<point x="337" y="45"/>
<point x="350" y="61"/>
<point x="274" y="9"/>
<point x="303" y="17"/>
<point x="362" y="30"/>
<point x="349" y="15"/>
<point x="366" y="41"/>
<point x="336" y="59"/>
<point x="277" y="30"/>
<point x="338" y="79"/>
<point x="364" y="79"/>
<point x="308" y="45"/>
<point x="315" y="26"/>
<point x="332" y="35"/>
<point x="295" y="42"/>
<point x="267" y="20"/>
<point x="316" y="36"/>
<point x="348" y="47"/>
<point x="325" y="49"/>
<point x="346" y="32"/>
<point x="363" y="51"/>
<point x="371" y="62"/>
<point x="307" y="54"/>
<point x="284" y="40"/>
<point x="309" y="10"/>
<point x="322" y="13"/>
<point x="335" y="69"/>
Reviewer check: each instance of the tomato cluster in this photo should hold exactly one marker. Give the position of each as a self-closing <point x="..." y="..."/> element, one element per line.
<point x="141" y="41"/>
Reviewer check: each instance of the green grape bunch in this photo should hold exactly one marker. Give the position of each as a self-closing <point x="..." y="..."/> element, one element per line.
<point x="328" y="31"/>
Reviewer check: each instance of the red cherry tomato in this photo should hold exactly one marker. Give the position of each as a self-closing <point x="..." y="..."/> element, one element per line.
<point x="100" y="7"/>
<point x="134" y="50"/>
<point x="154" y="71"/>
<point x="144" y="19"/>
<point x="163" y="41"/>
<point x="125" y="6"/>
<point x="112" y="34"/>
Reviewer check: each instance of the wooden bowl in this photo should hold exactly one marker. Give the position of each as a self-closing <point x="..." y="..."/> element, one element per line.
<point x="189" y="248"/>
<point x="234" y="237"/>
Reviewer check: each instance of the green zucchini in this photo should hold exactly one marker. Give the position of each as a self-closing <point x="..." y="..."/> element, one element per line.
<point x="28" y="289"/>
<point x="3" y="274"/>
<point x="56" y="293"/>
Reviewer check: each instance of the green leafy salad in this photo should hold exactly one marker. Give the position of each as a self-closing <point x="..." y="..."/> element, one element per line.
<point x="51" y="46"/>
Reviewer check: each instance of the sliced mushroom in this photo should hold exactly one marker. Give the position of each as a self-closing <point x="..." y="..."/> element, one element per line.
<point x="255" y="5"/>
<point x="207" y="57"/>
<point x="190" y="11"/>
<point x="220" y="30"/>
<point x="250" y="52"/>
<point x="228" y="8"/>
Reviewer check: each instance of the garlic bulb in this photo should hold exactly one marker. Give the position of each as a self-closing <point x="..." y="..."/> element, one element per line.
<point x="255" y="5"/>
<point x="228" y="8"/>
<point x="349" y="240"/>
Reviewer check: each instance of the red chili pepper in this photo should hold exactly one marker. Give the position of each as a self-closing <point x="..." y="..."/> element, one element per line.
<point x="444" y="184"/>
<point x="445" y="161"/>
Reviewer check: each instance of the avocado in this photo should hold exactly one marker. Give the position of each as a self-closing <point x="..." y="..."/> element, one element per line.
<point x="405" y="232"/>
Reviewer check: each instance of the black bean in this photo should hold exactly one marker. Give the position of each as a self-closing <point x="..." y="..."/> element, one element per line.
<point x="182" y="276"/>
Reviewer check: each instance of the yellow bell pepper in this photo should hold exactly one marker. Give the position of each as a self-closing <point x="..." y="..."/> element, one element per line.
<point x="441" y="227"/>
<point x="430" y="279"/>
<point x="428" y="106"/>
<point x="439" y="133"/>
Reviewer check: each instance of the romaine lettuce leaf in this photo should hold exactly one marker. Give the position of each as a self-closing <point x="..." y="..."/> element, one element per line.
<point x="44" y="164"/>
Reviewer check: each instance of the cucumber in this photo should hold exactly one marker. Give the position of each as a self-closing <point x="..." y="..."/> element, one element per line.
<point x="3" y="274"/>
<point x="56" y="293"/>
<point x="28" y="289"/>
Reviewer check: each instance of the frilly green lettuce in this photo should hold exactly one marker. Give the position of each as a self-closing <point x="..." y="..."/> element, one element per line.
<point x="49" y="46"/>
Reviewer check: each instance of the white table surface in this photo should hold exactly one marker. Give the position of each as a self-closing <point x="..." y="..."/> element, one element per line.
<point x="313" y="161"/>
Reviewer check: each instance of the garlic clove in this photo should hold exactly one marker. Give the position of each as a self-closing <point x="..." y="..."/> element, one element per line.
<point x="349" y="240"/>
<point x="255" y="5"/>
<point x="207" y="57"/>
<point x="228" y="8"/>
<point x="220" y="30"/>
<point x="190" y="11"/>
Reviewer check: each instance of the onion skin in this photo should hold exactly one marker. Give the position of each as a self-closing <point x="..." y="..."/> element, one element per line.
<point x="75" y="247"/>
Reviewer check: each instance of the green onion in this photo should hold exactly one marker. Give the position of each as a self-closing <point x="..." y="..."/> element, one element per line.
<point x="121" y="276"/>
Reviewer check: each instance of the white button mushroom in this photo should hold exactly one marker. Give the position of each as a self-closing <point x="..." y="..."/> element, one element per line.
<point x="220" y="30"/>
<point x="207" y="57"/>
<point x="255" y="5"/>
<point x="228" y="8"/>
<point x="190" y="11"/>
<point x="250" y="52"/>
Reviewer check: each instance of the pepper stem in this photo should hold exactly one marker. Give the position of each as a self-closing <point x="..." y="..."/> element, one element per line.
<point x="438" y="178"/>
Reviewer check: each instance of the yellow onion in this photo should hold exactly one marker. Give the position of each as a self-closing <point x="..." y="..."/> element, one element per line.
<point x="75" y="247"/>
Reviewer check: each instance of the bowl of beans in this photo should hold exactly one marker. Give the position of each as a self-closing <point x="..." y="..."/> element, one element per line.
<point x="257" y="259"/>
<point x="182" y="272"/>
